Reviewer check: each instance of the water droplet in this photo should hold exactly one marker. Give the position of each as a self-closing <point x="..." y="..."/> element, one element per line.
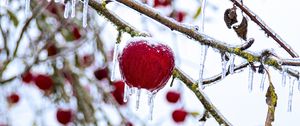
<point x="250" y="79"/>
<point x="115" y="56"/>
<point x="27" y="8"/>
<point x="290" y="98"/>
<point x="138" y="96"/>
<point x="231" y="66"/>
<point x="224" y="64"/>
<point x="67" y="9"/>
<point x="283" y="75"/>
<point x="85" y="12"/>
<point x="151" y="104"/>
<point x="202" y="62"/>
<point x="73" y="12"/>
<point x="262" y="82"/>
<point x="126" y="93"/>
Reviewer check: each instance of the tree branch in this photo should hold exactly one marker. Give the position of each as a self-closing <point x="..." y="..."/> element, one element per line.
<point x="264" y="27"/>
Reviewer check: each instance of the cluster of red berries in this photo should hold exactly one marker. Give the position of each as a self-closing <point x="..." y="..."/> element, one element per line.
<point x="42" y="81"/>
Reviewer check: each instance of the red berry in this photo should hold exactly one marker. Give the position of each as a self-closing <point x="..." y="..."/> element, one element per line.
<point x="27" y="77"/>
<point x="87" y="60"/>
<point x="180" y="15"/>
<point x="43" y="82"/>
<point x="179" y="115"/>
<point x="101" y="73"/>
<point x="118" y="92"/>
<point x="128" y="124"/>
<point x="146" y="65"/>
<point x="52" y="49"/>
<point x="13" y="98"/>
<point x="162" y="3"/>
<point x="173" y="96"/>
<point x="64" y="116"/>
<point x="76" y="33"/>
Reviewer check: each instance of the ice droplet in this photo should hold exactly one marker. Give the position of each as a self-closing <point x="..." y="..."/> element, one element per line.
<point x="202" y="15"/>
<point x="138" y="96"/>
<point x="73" y="8"/>
<point x="231" y="67"/>
<point x="250" y="79"/>
<point x="151" y="103"/>
<point x="290" y="98"/>
<point x="262" y="82"/>
<point x="202" y="61"/>
<point x="224" y="64"/>
<point x="67" y="9"/>
<point x="27" y="7"/>
<point x="126" y="93"/>
<point x="283" y="74"/>
<point x="85" y="12"/>
<point x="115" y="55"/>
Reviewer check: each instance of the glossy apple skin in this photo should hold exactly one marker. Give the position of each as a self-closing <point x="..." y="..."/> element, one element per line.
<point x="147" y="65"/>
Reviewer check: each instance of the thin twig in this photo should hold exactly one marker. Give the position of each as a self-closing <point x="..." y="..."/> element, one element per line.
<point x="264" y="27"/>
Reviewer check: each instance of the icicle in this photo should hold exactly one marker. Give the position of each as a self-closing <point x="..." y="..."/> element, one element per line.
<point x="224" y="63"/>
<point x="250" y="79"/>
<point x="151" y="103"/>
<point x="138" y="96"/>
<point x="132" y="91"/>
<point x="283" y="74"/>
<point x="290" y="99"/>
<point x="231" y="67"/>
<point x="262" y="82"/>
<point x="299" y="81"/>
<point x="27" y="7"/>
<point x="116" y="51"/>
<point x="73" y="8"/>
<point x="67" y="9"/>
<point x="126" y="93"/>
<point x="202" y="61"/>
<point x="85" y="12"/>
<point x="202" y="15"/>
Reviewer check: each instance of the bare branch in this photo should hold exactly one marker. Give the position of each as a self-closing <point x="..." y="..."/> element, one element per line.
<point x="264" y="27"/>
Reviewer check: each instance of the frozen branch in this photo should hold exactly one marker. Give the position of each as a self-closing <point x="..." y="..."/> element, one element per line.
<point x="264" y="27"/>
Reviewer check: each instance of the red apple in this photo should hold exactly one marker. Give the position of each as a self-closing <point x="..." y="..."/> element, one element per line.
<point x="179" y="115"/>
<point x="76" y="32"/>
<point x="52" y="49"/>
<point x="64" y="116"/>
<point x="146" y="65"/>
<point x="43" y="82"/>
<point x="173" y="96"/>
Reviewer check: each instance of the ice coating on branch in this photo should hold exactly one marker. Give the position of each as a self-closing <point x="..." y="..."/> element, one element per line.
<point x="262" y="82"/>
<point x="67" y="9"/>
<point x="73" y="8"/>
<point x="115" y="56"/>
<point x="283" y="74"/>
<point x="290" y="98"/>
<point x="231" y="66"/>
<point x="85" y="13"/>
<point x="250" y="79"/>
<point x="202" y="15"/>
<point x="27" y="7"/>
<point x="224" y="64"/>
<point x="138" y="96"/>
<point x="202" y="61"/>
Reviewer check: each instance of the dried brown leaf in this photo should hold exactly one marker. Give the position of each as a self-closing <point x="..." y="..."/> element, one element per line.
<point x="241" y="29"/>
<point x="230" y="17"/>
